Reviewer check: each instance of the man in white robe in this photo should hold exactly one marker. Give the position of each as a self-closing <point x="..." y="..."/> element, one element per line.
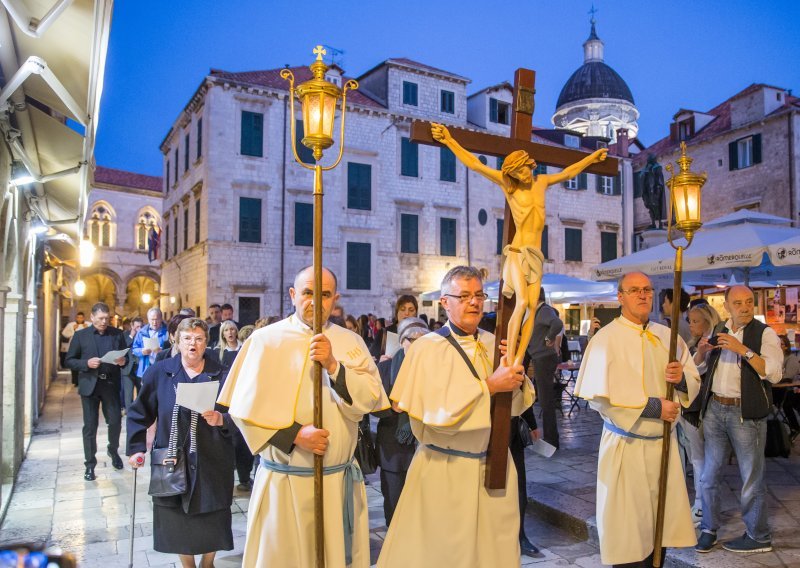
<point x="623" y="375"/>
<point x="445" y="516"/>
<point x="269" y="392"/>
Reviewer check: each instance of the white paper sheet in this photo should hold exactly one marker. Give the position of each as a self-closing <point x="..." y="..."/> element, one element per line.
<point x="112" y="356"/>
<point x="151" y="343"/>
<point x="392" y="343"/>
<point x="197" y="396"/>
<point x="543" y="448"/>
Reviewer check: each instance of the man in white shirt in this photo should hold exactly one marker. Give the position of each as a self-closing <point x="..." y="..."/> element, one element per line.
<point x="741" y="361"/>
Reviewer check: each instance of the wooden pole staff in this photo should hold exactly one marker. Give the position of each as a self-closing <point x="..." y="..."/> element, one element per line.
<point x="667" y="435"/>
<point x="319" y="525"/>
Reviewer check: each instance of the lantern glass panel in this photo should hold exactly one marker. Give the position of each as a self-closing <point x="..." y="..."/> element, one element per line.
<point x="311" y="112"/>
<point x="329" y="106"/>
<point x="687" y="203"/>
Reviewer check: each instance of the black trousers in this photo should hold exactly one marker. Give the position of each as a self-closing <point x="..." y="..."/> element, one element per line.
<point x="244" y="457"/>
<point x="392" y="483"/>
<point x="544" y="371"/>
<point x="518" y="455"/>
<point x="106" y="393"/>
<point x="646" y="563"/>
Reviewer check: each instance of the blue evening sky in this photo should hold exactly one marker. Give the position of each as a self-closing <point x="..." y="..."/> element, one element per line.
<point x="673" y="54"/>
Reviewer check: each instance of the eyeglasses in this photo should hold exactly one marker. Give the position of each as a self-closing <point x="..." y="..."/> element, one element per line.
<point x="647" y="291"/>
<point x="465" y="298"/>
<point x="190" y="340"/>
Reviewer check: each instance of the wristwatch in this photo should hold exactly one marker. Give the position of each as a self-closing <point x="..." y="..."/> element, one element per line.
<point x="749" y="354"/>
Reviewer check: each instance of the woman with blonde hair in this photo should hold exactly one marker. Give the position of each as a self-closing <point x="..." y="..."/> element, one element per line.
<point x="703" y="318"/>
<point x="229" y="343"/>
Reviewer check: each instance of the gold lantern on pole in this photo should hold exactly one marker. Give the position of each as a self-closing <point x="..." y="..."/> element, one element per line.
<point x="319" y="99"/>
<point x="685" y="193"/>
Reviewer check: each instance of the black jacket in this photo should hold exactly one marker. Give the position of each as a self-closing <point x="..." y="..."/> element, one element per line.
<point x="756" y="393"/>
<point x="392" y="455"/>
<point x="84" y="347"/>
<point x="210" y="469"/>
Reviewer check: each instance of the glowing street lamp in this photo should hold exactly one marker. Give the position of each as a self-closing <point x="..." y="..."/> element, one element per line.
<point x="146" y="298"/>
<point x="685" y="188"/>
<point x="86" y="252"/>
<point x="80" y="288"/>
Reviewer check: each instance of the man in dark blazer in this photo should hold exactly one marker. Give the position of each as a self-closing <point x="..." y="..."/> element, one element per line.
<point x="98" y="383"/>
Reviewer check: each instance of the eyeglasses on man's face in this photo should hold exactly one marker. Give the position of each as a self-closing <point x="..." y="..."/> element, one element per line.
<point x="465" y="298"/>
<point x="647" y="291"/>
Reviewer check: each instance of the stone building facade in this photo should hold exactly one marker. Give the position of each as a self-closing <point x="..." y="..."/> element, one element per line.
<point x="123" y="207"/>
<point x="750" y="147"/>
<point x="237" y="208"/>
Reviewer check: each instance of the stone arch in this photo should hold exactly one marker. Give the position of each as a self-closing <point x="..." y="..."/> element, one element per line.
<point x="101" y="286"/>
<point x="143" y="282"/>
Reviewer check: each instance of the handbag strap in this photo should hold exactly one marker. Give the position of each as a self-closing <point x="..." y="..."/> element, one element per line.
<point x="172" y="446"/>
<point x="447" y="334"/>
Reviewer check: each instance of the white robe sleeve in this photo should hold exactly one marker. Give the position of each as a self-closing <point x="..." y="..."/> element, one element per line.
<point x="364" y="387"/>
<point x="523" y="398"/>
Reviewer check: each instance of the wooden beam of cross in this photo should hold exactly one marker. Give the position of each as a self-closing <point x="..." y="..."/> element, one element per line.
<point x="494" y="145"/>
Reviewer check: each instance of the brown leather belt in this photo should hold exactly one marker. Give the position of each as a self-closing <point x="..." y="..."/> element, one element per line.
<point x="728" y="401"/>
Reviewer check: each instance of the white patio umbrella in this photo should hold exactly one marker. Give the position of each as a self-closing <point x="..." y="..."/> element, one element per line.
<point x="731" y="245"/>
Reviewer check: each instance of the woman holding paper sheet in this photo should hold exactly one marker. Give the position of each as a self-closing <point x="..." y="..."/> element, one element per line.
<point x="199" y="521"/>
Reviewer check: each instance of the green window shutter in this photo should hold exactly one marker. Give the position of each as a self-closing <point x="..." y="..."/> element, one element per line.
<point x="545" y="243"/>
<point x="410" y="93"/>
<point x="493" y="110"/>
<point x="359" y="266"/>
<point x="733" y="156"/>
<point x="177" y="166"/>
<point x="447" y="164"/>
<point x="252" y="139"/>
<point x="249" y="220"/>
<point x="409" y="233"/>
<point x="303" y="224"/>
<point x="185" y="228"/>
<point x="186" y="152"/>
<point x="617" y="185"/>
<point x="166" y="180"/>
<point x="175" y="236"/>
<point x="540" y="169"/>
<point x="306" y="154"/>
<point x="583" y="181"/>
<point x="249" y="310"/>
<point x="199" y="137"/>
<point x="197" y="221"/>
<point x="447" y="236"/>
<point x="756" y="148"/>
<point x="166" y="241"/>
<point x="409" y="158"/>
<point x="608" y="246"/>
<point x="573" y="247"/>
<point x="499" y="248"/>
<point x="448" y="102"/>
<point x="359" y="186"/>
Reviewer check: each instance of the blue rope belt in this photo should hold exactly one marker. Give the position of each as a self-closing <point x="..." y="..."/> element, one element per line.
<point x="352" y="474"/>
<point x="459" y="453"/>
<point x="624" y="433"/>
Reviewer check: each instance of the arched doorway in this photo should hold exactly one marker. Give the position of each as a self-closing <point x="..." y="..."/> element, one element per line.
<point x="141" y="294"/>
<point x="99" y="288"/>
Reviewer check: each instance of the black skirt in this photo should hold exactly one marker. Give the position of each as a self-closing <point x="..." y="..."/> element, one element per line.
<point x="176" y="532"/>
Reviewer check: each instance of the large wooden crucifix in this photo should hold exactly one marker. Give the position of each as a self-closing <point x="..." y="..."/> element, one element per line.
<point x="494" y="145"/>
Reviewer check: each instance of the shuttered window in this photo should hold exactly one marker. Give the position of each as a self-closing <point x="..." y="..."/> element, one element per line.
<point x="448" y="102"/>
<point x="499" y="242"/>
<point x="545" y="243"/>
<point x="447" y="237"/>
<point x="447" y="164"/>
<point x="359" y="186"/>
<point x="358" y="266"/>
<point x="410" y="93"/>
<point x="744" y="152"/>
<point x="303" y="224"/>
<point x="409" y="233"/>
<point x="306" y="154"/>
<point x="409" y="158"/>
<point x="199" y="138"/>
<point x="197" y="222"/>
<point x="249" y="220"/>
<point x="573" y="245"/>
<point x="252" y="142"/>
<point x="608" y="246"/>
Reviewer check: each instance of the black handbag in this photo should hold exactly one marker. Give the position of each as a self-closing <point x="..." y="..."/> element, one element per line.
<point x="524" y="432"/>
<point x="365" y="454"/>
<point x="168" y="466"/>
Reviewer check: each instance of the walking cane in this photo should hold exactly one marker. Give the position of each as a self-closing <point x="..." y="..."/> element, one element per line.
<point x="139" y="463"/>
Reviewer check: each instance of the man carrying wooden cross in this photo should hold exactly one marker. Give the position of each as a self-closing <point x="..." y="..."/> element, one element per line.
<point x="525" y="193"/>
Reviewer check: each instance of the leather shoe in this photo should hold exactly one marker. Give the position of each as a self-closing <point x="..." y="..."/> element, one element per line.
<point x="527" y="547"/>
<point x="116" y="461"/>
<point x="89" y="475"/>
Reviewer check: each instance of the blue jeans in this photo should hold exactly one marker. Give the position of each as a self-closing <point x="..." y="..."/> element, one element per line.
<point x="724" y="428"/>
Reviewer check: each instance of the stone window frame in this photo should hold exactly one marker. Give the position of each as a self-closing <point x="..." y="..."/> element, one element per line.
<point x="146" y="218"/>
<point x="101" y="225"/>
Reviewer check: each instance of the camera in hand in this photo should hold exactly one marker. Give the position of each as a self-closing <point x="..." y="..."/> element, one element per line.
<point x="714" y="339"/>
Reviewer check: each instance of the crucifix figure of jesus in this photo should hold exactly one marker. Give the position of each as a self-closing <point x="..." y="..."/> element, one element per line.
<point x="525" y="193"/>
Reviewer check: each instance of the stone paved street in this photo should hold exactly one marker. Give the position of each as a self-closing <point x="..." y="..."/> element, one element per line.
<point x="52" y="505"/>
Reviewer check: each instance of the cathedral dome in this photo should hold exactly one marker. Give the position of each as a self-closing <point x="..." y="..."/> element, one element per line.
<point x="594" y="80"/>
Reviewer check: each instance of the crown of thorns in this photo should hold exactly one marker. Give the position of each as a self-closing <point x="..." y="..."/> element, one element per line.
<point x="516" y="160"/>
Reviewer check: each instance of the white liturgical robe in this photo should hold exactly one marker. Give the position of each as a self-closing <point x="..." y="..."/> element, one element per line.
<point x="269" y="388"/>
<point x="445" y="516"/>
<point x="623" y="366"/>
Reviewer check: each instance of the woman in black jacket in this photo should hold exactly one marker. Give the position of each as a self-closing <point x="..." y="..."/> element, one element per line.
<point x="199" y="521"/>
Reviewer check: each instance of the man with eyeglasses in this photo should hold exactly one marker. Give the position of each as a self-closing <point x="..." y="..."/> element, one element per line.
<point x="624" y="375"/>
<point x="741" y="361"/>
<point x="98" y="384"/>
<point x="446" y="517"/>
<point x="269" y="392"/>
